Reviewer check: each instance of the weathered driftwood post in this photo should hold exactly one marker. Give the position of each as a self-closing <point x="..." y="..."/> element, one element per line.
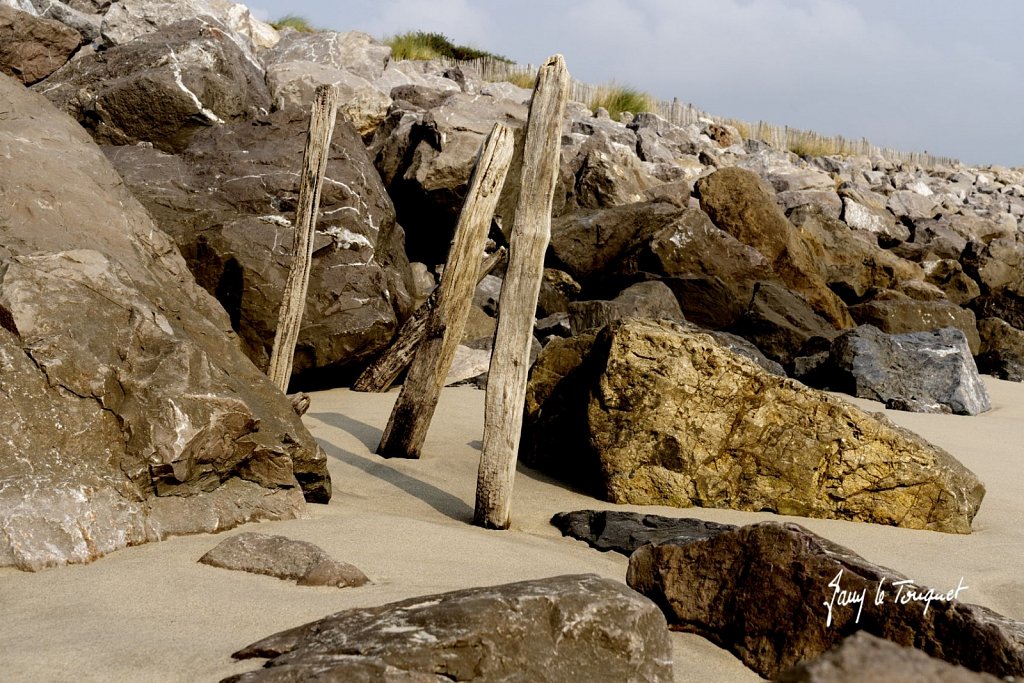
<point x="314" y="165"/>
<point x="531" y="231"/>
<point x="407" y="429"/>
<point x="381" y="373"/>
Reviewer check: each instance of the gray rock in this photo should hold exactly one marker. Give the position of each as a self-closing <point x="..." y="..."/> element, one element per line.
<point x="468" y="364"/>
<point x="228" y="201"/>
<point x="624" y="532"/>
<point x="782" y="325"/>
<point x="896" y="313"/>
<point x="147" y="420"/>
<point x="926" y="367"/>
<point x="1002" y="350"/>
<point x="487" y="294"/>
<point x="352" y="51"/>
<point x="281" y="557"/>
<point x="86" y="23"/>
<point x="606" y="173"/>
<point x="556" y="324"/>
<point x="565" y="628"/>
<point x="199" y="79"/>
<point x="32" y="48"/>
<point x="652" y="300"/>
<point x="764" y="591"/>
<point x="863" y="657"/>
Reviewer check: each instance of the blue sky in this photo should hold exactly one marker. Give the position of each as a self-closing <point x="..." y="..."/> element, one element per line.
<point x="941" y="76"/>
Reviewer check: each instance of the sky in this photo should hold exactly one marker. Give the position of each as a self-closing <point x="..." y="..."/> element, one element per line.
<point x="941" y="76"/>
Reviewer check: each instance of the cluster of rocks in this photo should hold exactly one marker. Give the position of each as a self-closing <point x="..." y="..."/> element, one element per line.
<point x="757" y="591"/>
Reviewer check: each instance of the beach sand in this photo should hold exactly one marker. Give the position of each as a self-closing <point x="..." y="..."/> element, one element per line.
<point x="152" y="613"/>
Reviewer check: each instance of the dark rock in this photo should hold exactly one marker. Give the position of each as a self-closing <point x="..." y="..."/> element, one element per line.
<point x="742" y="347"/>
<point x="924" y="367"/>
<point x="161" y="88"/>
<point x="1003" y="304"/>
<point x="761" y="597"/>
<point x="740" y="203"/>
<point x="864" y="657"/>
<point x="652" y="300"/>
<point x="896" y="313"/>
<point x="948" y="275"/>
<point x="939" y="238"/>
<point x="654" y="414"/>
<point x="228" y="203"/>
<point x="574" y="627"/>
<point x="556" y="324"/>
<point x="283" y="558"/>
<point x="913" y="405"/>
<point x="624" y="532"/>
<point x="782" y="325"/>
<point x="557" y="289"/>
<point x="588" y="244"/>
<point x="32" y="48"/>
<point x="139" y="415"/>
<point x="996" y="265"/>
<point x="1002" y="350"/>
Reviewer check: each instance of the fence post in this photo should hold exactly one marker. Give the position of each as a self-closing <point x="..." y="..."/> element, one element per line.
<point x="410" y="418"/>
<point x="314" y="165"/>
<point x="531" y="231"/>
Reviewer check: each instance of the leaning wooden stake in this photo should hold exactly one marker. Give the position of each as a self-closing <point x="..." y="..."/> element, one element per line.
<point x="381" y="373"/>
<point x="531" y="231"/>
<point x="410" y="418"/>
<point x="314" y="165"/>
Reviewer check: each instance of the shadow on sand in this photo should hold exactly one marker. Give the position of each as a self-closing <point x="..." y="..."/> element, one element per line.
<point x="376" y="466"/>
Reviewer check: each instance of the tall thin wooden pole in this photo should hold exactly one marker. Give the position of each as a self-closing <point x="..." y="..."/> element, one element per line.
<point x="407" y="429"/>
<point x="314" y="165"/>
<point x="531" y="231"/>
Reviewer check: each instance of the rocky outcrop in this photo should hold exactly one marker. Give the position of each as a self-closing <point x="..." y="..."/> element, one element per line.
<point x="739" y="203"/>
<point x="228" y="201"/>
<point x="577" y="627"/>
<point x="770" y="594"/>
<point x="657" y="415"/>
<point x="863" y="657"/>
<point x="132" y="415"/>
<point x="932" y="368"/>
<point x="32" y="48"/>
<point x="896" y="313"/>
<point x="191" y="69"/>
<point x="1002" y="350"/>
<point x="624" y="532"/>
<point x="283" y="558"/>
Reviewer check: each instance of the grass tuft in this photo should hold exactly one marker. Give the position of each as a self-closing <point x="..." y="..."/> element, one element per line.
<point x="423" y="45"/>
<point x="621" y="98"/>
<point x="293" y="21"/>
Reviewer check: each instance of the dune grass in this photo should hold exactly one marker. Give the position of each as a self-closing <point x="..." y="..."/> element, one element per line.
<point x="423" y="45"/>
<point x="618" y="98"/>
<point x="293" y="21"/>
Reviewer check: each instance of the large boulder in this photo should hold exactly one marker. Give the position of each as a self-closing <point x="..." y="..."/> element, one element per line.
<point x="761" y="590"/>
<point x="228" y="201"/>
<point x="161" y="88"/>
<point x="427" y="160"/>
<point x="933" y="368"/>
<point x="863" y="657"/>
<point x="897" y="313"/>
<point x="131" y="413"/>
<point x="740" y="203"/>
<point x="782" y="325"/>
<point x="654" y="414"/>
<point x="565" y="628"/>
<point x="1002" y="350"/>
<point x="32" y="48"/>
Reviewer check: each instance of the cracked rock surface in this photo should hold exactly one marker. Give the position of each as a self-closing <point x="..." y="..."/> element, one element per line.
<point x="564" y="628"/>
<point x="131" y="414"/>
<point x="655" y="414"/>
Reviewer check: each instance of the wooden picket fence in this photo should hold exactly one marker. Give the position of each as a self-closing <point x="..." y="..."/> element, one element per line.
<point x="802" y="142"/>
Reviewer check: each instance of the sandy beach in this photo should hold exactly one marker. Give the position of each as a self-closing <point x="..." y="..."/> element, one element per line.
<point x="152" y="613"/>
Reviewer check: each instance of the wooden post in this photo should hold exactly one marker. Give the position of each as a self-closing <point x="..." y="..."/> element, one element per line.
<point x="314" y="165"/>
<point x="531" y="231"/>
<point x="382" y="372"/>
<point x="407" y="429"/>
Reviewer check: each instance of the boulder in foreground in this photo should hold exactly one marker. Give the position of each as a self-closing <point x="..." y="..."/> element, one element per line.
<point x="863" y="657"/>
<point x="769" y="594"/>
<point x="654" y="414"/>
<point x="564" y="628"/>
